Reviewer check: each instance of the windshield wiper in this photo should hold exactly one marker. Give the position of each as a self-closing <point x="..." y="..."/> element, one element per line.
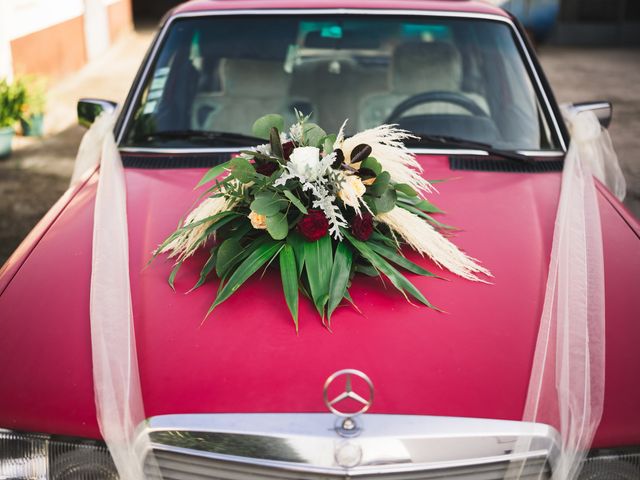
<point x="446" y="141"/>
<point x="203" y="135"/>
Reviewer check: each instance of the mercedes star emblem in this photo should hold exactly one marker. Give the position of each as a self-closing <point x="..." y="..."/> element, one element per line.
<point x="348" y="392"/>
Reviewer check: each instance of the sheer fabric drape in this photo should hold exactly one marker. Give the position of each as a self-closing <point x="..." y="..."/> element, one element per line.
<point x="566" y="387"/>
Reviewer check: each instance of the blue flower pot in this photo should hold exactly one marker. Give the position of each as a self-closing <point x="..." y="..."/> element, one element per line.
<point x="6" y="136"/>
<point x="34" y="126"/>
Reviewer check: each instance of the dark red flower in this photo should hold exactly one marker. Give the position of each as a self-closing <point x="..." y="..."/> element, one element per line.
<point x="287" y="149"/>
<point x="314" y="225"/>
<point x="267" y="168"/>
<point x="362" y="226"/>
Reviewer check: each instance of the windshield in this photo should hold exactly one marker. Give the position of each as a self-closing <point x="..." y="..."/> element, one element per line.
<point x="463" y="78"/>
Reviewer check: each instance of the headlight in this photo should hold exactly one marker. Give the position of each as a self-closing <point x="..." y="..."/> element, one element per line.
<point x="611" y="464"/>
<point x="45" y="457"/>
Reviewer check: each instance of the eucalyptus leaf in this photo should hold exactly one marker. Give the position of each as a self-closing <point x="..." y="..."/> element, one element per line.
<point x="262" y="126"/>
<point x="380" y="185"/>
<point x="313" y="135"/>
<point x="386" y="202"/>
<point x="372" y="164"/>
<point x="289" y="276"/>
<point x="258" y="257"/>
<point x="242" y="169"/>
<point x="213" y="173"/>
<point x="318" y="259"/>
<point x="268" y="203"/>
<point x="296" y="201"/>
<point x="340" y="273"/>
<point x="277" y="226"/>
<point x="327" y="143"/>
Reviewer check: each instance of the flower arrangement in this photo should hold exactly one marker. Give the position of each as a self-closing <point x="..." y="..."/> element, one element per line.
<point x="326" y="207"/>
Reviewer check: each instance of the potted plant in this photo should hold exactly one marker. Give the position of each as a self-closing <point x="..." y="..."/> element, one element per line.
<point x="34" y="106"/>
<point x="12" y="97"/>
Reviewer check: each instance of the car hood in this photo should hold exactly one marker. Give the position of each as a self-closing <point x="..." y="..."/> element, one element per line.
<point x="473" y="360"/>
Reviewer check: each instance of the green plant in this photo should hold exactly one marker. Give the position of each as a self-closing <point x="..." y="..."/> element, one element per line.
<point x="12" y="100"/>
<point x="35" y="98"/>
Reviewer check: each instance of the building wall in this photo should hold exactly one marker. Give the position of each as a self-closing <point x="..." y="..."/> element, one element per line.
<point x="55" y="38"/>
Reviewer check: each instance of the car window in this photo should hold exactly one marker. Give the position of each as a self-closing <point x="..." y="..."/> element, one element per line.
<point x="463" y="78"/>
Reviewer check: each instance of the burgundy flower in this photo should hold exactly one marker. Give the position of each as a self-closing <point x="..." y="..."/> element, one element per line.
<point x="287" y="149"/>
<point x="267" y="168"/>
<point x="362" y="226"/>
<point x="314" y="225"/>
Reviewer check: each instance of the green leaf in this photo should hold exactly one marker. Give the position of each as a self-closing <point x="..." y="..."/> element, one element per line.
<point x="340" y="273"/>
<point x="327" y="143"/>
<point x="313" y="135"/>
<point x="427" y="206"/>
<point x="229" y="253"/>
<point x="397" y="258"/>
<point x="258" y="257"/>
<point x="276" y="145"/>
<point x="262" y="126"/>
<point x="397" y="279"/>
<point x="318" y="259"/>
<point x="386" y="201"/>
<point x="289" y="276"/>
<point x="427" y="217"/>
<point x="380" y="185"/>
<point x="172" y="275"/>
<point x="277" y="226"/>
<point x="213" y="173"/>
<point x="367" y="270"/>
<point x="242" y="169"/>
<point x="268" y="203"/>
<point x="206" y="270"/>
<point x="406" y="189"/>
<point x="372" y="164"/>
<point x="296" y="201"/>
<point x="297" y="243"/>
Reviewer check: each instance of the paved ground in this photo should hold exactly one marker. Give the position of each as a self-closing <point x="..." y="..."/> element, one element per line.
<point x="39" y="170"/>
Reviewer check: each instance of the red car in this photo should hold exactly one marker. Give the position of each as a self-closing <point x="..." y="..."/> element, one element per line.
<point x="242" y="395"/>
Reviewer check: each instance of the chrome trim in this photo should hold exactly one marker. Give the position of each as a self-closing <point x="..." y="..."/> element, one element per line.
<point x="341" y="11"/>
<point x="307" y="443"/>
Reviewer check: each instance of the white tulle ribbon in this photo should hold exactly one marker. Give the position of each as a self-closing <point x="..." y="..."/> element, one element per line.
<point x="116" y="381"/>
<point x="566" y="387"/>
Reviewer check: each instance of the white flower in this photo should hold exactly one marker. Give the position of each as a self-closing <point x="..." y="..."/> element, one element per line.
<point x="264" y="149"/>
<point x="305" y="163"/>
<point x="296" y="132"/>
<point x="351" y="191"/>
<point x="258" y="221"/>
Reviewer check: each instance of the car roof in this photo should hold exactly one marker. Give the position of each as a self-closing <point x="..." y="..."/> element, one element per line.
<point x="457" y="6"/>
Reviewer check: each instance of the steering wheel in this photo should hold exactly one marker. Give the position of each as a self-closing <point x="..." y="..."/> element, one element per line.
<point x="455" y="98"/>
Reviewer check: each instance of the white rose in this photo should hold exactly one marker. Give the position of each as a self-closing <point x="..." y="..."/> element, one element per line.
<point x="305" y="162"/>
<point x="258" y="221"/>
<point x="352" y="190"/>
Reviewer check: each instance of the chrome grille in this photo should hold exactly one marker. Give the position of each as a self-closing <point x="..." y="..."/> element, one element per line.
<point x="305" y="447"/>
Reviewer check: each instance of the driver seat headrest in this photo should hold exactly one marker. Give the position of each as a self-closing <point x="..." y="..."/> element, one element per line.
<point x="425" y="66"/>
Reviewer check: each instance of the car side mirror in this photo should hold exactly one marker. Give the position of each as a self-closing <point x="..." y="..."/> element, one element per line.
<point x="602" y="109"/>
<point x="90" y="108"/>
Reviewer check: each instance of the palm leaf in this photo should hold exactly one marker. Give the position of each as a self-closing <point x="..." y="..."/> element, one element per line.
<point x="260" y="255"/>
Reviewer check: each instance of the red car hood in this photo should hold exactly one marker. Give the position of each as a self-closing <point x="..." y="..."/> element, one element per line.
<point x="472" y="361"/>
